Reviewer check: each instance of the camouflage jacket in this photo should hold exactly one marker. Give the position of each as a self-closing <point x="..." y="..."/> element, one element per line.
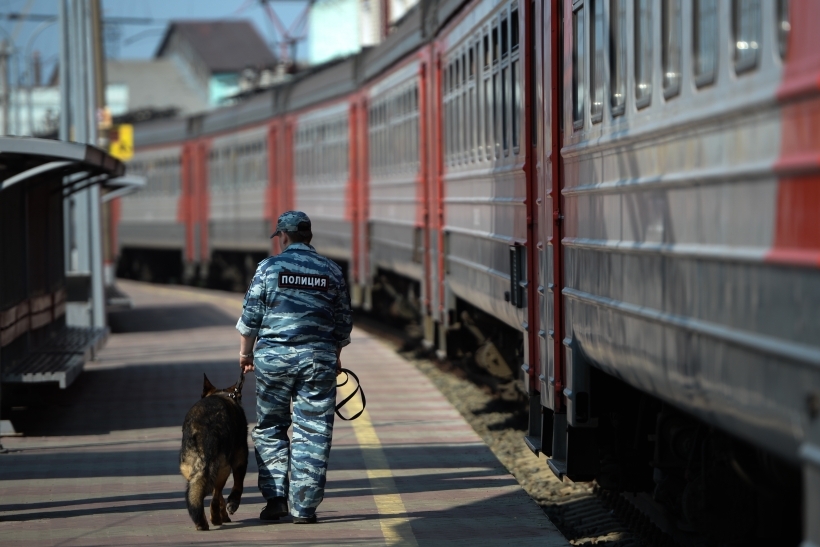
<point x="297" y="297"/>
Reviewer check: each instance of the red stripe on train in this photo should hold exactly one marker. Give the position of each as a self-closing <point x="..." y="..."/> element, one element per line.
<point x="797" y="226"/>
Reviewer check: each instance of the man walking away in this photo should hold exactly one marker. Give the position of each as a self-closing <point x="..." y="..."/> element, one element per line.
<point x="297" y="311"/>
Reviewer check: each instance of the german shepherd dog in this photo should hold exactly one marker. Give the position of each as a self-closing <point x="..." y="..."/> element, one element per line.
<point x="214" y="443"/>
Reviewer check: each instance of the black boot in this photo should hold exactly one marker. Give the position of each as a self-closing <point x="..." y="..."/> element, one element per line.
<point x="304" y="520"/>
<point x="276" y="507"/>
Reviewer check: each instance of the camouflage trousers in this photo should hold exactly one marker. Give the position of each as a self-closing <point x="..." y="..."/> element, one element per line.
<point x="307" y="377"/>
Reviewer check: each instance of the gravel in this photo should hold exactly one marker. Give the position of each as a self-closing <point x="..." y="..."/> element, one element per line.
<point x="502" y="425"/>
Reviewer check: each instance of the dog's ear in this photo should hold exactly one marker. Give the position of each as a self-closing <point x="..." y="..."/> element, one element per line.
<point x="207" y="387"/>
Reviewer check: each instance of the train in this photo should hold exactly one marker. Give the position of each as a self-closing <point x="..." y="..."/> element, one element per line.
<point x="614" y="205"/>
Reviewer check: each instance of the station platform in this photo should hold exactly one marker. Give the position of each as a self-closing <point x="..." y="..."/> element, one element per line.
<point x="98" y="463"/>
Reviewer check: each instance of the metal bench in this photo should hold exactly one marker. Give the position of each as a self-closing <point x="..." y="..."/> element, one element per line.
<point x="84" y="340"/>
<point x="60" y="358"/>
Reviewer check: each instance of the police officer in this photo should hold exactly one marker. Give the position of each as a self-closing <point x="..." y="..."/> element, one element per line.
<point x="297" y="310"/>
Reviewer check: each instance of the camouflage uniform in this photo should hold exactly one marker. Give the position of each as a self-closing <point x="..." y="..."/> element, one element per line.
<point x="298" y="308"/>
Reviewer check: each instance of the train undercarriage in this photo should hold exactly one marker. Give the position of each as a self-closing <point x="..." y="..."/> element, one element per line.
<point x="703" y="480"/>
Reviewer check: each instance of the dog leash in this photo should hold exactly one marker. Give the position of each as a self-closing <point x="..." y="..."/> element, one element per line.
<point x="237" y="391"/>
<point x="348" y="373"/>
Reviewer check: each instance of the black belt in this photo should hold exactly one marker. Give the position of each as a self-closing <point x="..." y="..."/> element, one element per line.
<point x="348" y="373"/>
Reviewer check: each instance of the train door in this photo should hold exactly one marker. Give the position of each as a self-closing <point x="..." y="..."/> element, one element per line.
<point x="185" y="211"/>
<point x="357" y="193"/>
<point x="569" y="444"/>
<point x="363" y="196"/>
<point x="434" y="241"/>
<point x="352" y="205"/>
<point x="285" y="177"/>
<point x="534" y="242"/>
<point x="571" y="449"/>
<point x="551" y="379"/>
<point x="202" y="203"/>
<point x="536" y="251"/>
<point x="272" y="204"/>
<point x="426" y="153"/>
<point x="192" y="210"/>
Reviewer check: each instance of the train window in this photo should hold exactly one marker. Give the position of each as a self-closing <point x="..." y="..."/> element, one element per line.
<point x="473" y="124"/>
<point x="457" y="144"/>
<point x="578" y="68"/>
<point x="479" y="127"/>
<point x="643" y="52"/>
<point x="671" y="47"/>
<point x="457" y="74"/>
<point x="447" y="123"/>
<point x="396" y="133"/>
<point x="497" y="107"/>
<point x="398" y="128"/>
<point x="704" y="40"/>
<point x="514" y="30"/>
<point x="504" y="36"/>
<point x="488" y="115"/>
<point x="385" y="132"/>
<point x="746" y="33"/>
<point x="402" y="130"/>
<point x="516" y="98"/>
<point x="448" y="111"/>
<point x="515" y="74"/>
<point x="617" y="56"/>
<point x="377" y="136"/>
<point x="451" y="125"/>
<point x="505" y="97"/>
<point x="489" y="121"/>
<point x="495" y="45"/>
<point x="465" y="113"/>
<point x="596" y="68"/>
<point x="396" y="136"/>
<point x="783" y="27"/>
<point x="459" y="124"/>
<point x="471" y="109"/>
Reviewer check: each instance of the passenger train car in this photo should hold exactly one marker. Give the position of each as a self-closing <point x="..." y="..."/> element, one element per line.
<point x="617" y="201"/>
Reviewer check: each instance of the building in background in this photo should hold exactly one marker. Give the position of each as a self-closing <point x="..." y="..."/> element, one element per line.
<point x="157" y="84"/>
<point x="396" y="9"/>
<point x="212" y="55"/>
<point x="339" y="28"/>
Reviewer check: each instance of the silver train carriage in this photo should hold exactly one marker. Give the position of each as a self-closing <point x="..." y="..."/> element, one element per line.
<point x="618" y="199"/>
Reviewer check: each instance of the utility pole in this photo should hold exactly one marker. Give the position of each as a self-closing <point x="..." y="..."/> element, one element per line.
<point x="96" y="94"/>
<point x="5" y="50"/>
<point x="65" y="82"/>
<point x="80" y="90"/>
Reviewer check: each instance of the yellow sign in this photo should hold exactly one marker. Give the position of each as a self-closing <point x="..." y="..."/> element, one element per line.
<point x="122" y="142"/>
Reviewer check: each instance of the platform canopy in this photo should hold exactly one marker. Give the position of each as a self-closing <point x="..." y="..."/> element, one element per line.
<point x="26" y="160"/>
<point x="37" y="342"/>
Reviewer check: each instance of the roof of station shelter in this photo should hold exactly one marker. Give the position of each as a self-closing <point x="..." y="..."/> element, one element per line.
<point x="224" y="46"/>
<point x="24" y="160"/>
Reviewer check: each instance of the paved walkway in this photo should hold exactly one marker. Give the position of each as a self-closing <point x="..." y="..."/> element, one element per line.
<point x="98" y="463"/>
